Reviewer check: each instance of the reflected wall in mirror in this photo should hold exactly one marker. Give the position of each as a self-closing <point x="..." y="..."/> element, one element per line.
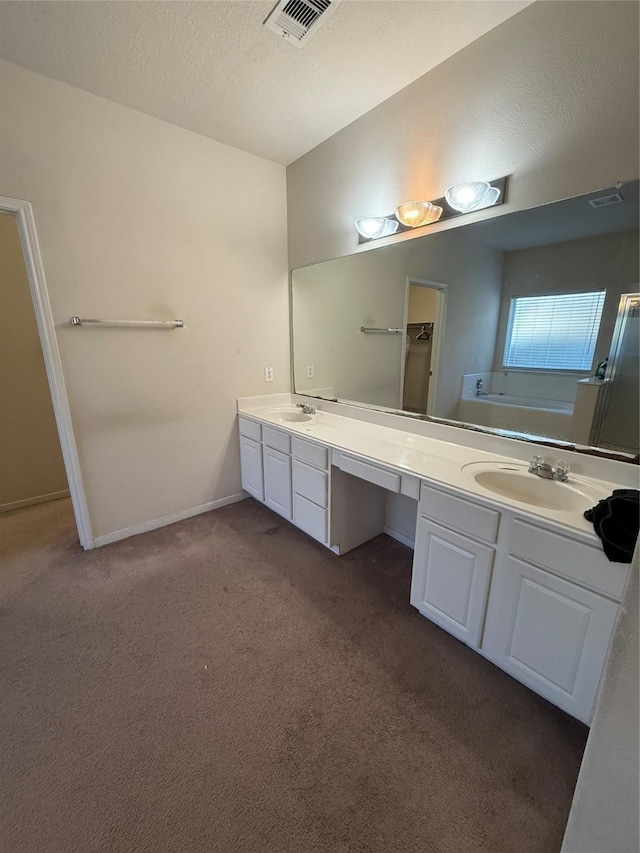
<point x="525" y="323"/>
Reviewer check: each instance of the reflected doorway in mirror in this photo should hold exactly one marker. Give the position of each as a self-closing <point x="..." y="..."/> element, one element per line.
<point x="424" y="313"/>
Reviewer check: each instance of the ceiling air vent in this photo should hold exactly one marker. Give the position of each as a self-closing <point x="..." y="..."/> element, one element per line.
<point x="297" y="20"/>
<point x="606" y="200"/>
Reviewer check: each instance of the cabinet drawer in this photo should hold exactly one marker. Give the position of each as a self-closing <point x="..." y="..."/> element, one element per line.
<point x="278" y="440"/>
<point x="310" y="483"/>
<point x="470" y="518"/>
<point x="564" y="556"/>
<point x="310" y="518"/>
<point x="251" y="429"/>
<point x="372" y="473"/>
<point x="312" y="454"/>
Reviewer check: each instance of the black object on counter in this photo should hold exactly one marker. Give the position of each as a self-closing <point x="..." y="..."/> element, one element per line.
<point x="616" y="520"/>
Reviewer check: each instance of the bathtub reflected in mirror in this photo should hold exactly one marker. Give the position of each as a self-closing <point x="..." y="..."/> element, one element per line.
<point x="524" y="323"/>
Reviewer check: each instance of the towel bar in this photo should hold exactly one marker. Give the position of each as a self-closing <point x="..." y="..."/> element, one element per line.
<point x="143" y="324"/>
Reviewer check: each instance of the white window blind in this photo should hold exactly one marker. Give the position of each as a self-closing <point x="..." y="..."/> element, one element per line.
<point x="555" y="332"/>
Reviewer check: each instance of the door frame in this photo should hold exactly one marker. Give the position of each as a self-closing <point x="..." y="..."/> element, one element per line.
<point x="625" y="306"/>
<point x="438" y="336"/>
<point x="52" y="362"/>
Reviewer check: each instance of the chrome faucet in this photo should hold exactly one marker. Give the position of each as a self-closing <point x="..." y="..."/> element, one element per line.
<point x="540" y="468"/>
<point x="307" y="410"/>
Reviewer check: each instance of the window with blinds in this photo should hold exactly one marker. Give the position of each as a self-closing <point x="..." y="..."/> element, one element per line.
<point x="553" y="332"/>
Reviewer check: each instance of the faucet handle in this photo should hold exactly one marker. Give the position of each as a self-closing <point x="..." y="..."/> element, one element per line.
<point x="562" y="469"/>
<point x="535" y="463"/>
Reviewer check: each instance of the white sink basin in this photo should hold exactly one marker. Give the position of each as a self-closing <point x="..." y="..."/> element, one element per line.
<point x="287" y="415"/>
<point x="514" y="482"/>
<point x="295" y="417"/>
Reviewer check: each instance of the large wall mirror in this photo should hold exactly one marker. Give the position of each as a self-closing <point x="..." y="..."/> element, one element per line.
<point x="526" y="324"/>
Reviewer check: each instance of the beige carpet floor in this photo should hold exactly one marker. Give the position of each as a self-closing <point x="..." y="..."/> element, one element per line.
<point x="227" y="684"/>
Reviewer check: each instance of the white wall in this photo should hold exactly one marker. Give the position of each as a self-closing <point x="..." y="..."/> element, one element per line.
<point x="549" y="97"/>
<point x="31" y="466"/>
<point x="137" y="218"/>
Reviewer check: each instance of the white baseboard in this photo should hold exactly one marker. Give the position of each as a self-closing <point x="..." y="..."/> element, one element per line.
<point x="40" y="499"/>
<point x="410" y="543"/>
<point x="164" y="520"/>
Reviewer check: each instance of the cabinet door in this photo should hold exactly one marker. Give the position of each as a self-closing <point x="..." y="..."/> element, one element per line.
<point x="549" y="633"/>
<point x="277" y="481"/>
<point x="251" y="467"/>
<point x="450" y="580"/>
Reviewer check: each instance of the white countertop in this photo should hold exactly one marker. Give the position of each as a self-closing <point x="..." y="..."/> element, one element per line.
<point x="431" y="459"/>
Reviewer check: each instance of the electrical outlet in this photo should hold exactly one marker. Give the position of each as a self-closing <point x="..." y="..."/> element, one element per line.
<point x="268" y="374"/>
<point x="310" y="372"/>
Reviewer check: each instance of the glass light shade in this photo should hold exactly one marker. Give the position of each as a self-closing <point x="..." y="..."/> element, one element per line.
<point x="416" y="213"/>
<point x="490" y="197"/>
<point x="467" y="195"/>
<point x="372" y="227"/>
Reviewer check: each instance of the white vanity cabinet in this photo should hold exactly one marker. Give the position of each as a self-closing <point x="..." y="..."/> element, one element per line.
<point x="536" y="597"/>
<point x="265" y="464"/>
<point x="551" y="613"/>
<point x="335" y="497"/>
<point x="287" y="474"/>
<point x="540" y="604"/>
<point x="451" y="570"/>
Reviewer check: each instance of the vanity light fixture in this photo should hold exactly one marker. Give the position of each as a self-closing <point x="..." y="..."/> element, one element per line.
<point x="373" y="227"/>
<point x="459" y="199"/>
<point x="416" y="213"/>
<point x="471" y="195"/>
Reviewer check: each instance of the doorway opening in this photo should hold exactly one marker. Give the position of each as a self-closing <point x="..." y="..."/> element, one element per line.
<point x="30" y="454"/>
<point x="423" y="327"/>
<point x="38" y="452"/>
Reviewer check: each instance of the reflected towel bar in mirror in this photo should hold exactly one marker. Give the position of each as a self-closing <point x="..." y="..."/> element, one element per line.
<point x="374" y="330"/>
<point x="143" y="324"/>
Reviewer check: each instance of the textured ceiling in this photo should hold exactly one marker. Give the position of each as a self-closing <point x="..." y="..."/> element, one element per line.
<point x="211" y="67"/>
